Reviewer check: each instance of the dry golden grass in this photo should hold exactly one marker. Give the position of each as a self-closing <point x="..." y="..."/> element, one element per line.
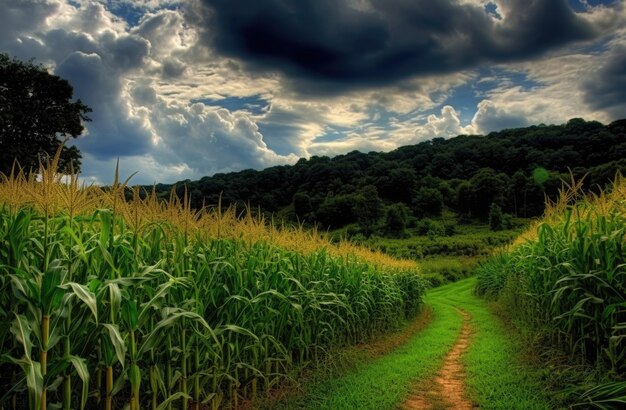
<point x="51" y="193"/>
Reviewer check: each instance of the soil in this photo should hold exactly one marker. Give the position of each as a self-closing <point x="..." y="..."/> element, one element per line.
<point x="446" y="390"/>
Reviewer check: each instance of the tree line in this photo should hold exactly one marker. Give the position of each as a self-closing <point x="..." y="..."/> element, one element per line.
<point x="491" y="177"/>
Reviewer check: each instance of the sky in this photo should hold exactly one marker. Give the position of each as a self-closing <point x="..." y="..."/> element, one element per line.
<point x="185" y="89"/>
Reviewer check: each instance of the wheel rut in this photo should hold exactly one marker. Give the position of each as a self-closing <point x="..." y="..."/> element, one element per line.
<point x="447" y="389"/>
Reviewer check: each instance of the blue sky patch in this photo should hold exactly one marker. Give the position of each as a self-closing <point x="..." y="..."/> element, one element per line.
<point x="491" y="8"/>
<point x="255" y="104"/>
<point x="465" y="98"/>
<point x="579" y="6"/>
<point x="128" y="12"/>
<point x="132" y="13"/>
<point x="280" y="138"/>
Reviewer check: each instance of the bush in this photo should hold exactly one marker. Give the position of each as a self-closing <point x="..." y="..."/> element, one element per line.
<point x="435" y="279"/>
<point x="444" y="270"/>
<point x="495" y="217"/>
<point x="428" y="202"/>
<point x="396" y="220"/>
<point x="491" y="276"/>
<point x="431" y="228"/>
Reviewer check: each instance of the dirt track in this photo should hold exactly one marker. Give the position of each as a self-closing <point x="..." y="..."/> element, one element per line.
<point x="446" y="390"/>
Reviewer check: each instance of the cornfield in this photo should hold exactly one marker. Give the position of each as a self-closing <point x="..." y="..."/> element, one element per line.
<point x="566" y="279"/>
<point x="108" y="303"/>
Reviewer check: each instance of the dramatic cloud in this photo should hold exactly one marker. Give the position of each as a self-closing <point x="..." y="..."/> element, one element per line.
<point x="447" y="125"/>
<point x="118" y="131"/>
<point x="23" y="17"/>
<point x="209" y="139"/>
<point x="183" y="89"/>
<point x="606" y="89"/>
<point x="490" y="117"/>
<point x="338" y="45"/>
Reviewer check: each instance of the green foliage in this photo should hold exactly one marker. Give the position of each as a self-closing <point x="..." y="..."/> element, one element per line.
<point x="492" y="275"/>
<point x="605" y="396"/>
<point x="570" y="282"/>
<point x="158" y="316"/>
<point x="440" y="270"/>
<point x="446" y="238"/>
<point x="368" y="208"/>
<point x="540" y="175"/>
<point x="35" y="110"/>
<point x="389" y="182"/>
<point x="428" y="202"/>
<point x="484" y="188"/>
<point x="396" y="220"/>
<point x="496" y="219"/>
<point x="302" y="206"/>
<point x="336" y="211"/>
<point x="431" y="228"/>
<point x="469" y="173"/>
<point x="567" y="287"/>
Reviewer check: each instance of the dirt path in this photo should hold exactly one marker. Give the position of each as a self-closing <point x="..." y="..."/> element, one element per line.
<point x="446" y="390"/>
<point x="464" y="351"/>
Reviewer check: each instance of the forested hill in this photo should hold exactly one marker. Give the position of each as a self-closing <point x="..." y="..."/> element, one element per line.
<point x="512" y="168"/>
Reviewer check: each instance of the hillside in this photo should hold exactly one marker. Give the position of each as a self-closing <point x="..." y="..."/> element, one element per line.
<point x="513" y="168"/>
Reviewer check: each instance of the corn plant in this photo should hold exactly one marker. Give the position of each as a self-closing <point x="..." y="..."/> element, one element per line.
<point x="109" y="302"/>
<point x="569" y="282"/>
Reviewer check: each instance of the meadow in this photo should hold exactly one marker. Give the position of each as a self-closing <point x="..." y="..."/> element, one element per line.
<point x="107" y="303"/>
<point x="447" y="248"/>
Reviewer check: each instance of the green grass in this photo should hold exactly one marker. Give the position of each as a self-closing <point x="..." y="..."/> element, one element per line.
<point x="495" y="377"/>
<point x="440" y="270"/>
<point x="386" y="381"/>
<point x="467" y="241"/>
<point x="450" y="238"/>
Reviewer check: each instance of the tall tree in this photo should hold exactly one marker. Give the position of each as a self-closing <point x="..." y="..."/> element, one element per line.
<point x="495" y="217"/>
<point x="36" y="114"/>
<point x="428" y="202"/>
<point x="396" y="219"/>
<point x="302" y="205"/>
<point x="369" y="209"/>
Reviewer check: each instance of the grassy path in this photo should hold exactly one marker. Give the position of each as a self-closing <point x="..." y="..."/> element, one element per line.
<point x="447" y="389"/>
<point x="493" y="378"/>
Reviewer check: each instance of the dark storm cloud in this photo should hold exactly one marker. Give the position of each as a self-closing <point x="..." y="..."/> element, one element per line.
<point x="173" y="68"/>
<point x="114" y="133"/>
<point x="606" y="90"/>
<point x="333" y="44"/>
<point x="127" y="52"/>
<point x="22" y="16"/>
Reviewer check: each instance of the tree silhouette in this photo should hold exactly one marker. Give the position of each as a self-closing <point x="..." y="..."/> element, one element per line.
<point x="36" y="114"/>
<point x="369" y="209"/>
<point x="495" y="217"/>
